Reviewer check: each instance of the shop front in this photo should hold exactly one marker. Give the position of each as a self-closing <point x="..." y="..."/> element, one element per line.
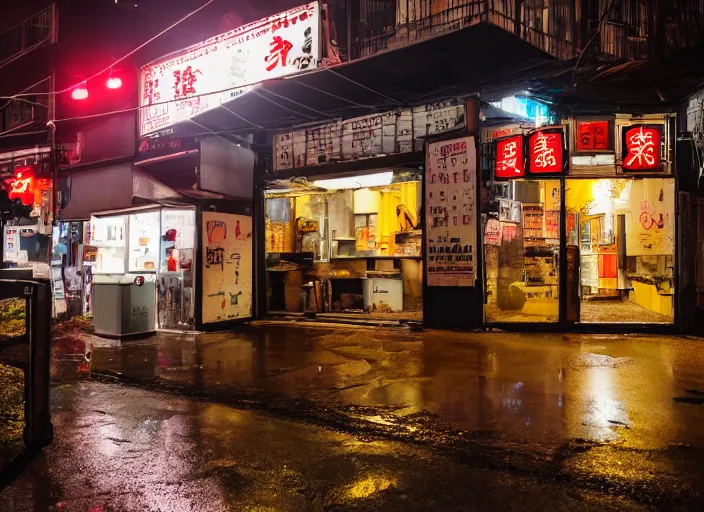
<point x="347" y="245"/>
<point x="580" y="224"/>
<point x="344" y="224"/>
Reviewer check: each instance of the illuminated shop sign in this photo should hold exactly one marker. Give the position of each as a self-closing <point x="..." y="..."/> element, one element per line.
<point x="25" y="186"/>
<point x="546" y="151"/>
<point x="642" y="148"/>
<point x="207" y="74"/>
<point x="593" y="136"/>
<point x="510" y="157"/>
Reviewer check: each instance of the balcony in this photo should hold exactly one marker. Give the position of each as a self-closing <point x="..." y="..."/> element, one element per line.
<point x="629" y="29"/>
<point x="32" y="33"/>
<point x="366" y="27"/>
<point x="27" y="113"/>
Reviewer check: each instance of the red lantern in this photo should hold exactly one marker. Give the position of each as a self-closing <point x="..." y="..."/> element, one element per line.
<point x="642" y="145"/>
<point x="510" y="162"/>
<point x="22" y="186"/>
<point x="545" y="151"/>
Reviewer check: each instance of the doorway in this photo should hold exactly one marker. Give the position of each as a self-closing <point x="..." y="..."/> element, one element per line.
<point x="624" y="232"/>
<point x="522" y="252"/>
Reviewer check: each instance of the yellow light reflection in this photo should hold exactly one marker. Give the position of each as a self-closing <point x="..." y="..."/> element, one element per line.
<point x="369" y="485"/>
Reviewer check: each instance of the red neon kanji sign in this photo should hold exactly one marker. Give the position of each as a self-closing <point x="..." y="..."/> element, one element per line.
<point x="510" y="161"/>
<point x="593" y="136"/>
<point x="22" y="186"/>
<point x="641" y="148"/>
<point x="545" y="152"/>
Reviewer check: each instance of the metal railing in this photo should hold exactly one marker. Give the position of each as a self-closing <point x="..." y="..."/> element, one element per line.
<point x="630" y="29"/>
<point x="365" y="27"/>
<point x="31" y="352"/>
<point x="18" y="113"/>
<point x="28" y="35"/>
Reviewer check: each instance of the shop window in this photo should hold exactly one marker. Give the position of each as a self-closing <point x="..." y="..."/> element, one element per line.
<point x="626" y="248"/>
<point x="522" y="249"/>
<point x="108" y="235"/>
<point x="144" y="241"/>
<point x="351" y="246"/>
<point x="175" y="305"/>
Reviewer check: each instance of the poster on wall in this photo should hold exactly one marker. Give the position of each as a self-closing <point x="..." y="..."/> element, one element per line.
<point x="227" y="267"/>
<point x="207" y="74"/>
<point x="450" y="198"/>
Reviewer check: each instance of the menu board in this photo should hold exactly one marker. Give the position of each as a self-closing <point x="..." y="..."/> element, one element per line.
<point x="369" y="135"/>
<point x="283" y="151"/>
<point x="492" y="232"/>
<point x="396" y="132"/>
<point x="450" y="217"/>
<point x="440" y="117"/>
<point x="323" y="145"/>
<point x="227" y="267"/>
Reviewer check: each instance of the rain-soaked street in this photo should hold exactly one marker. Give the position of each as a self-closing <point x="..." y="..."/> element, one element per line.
<point x="291" y="417"/>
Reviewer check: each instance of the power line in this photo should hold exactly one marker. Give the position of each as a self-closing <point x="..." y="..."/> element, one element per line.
<point x="206" y="4"/>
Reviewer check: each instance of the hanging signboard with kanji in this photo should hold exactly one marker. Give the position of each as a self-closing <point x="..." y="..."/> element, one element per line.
<point x="593" y="136"/>
<point x="546" y="154"/>
<point x="510" y="158"/>
<point x="642" y="148"/>
<point x="205" y="75"/>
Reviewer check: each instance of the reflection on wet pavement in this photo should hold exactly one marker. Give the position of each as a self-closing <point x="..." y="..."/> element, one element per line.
<point x="532" y="387"/>
<point x="126" y="449"/>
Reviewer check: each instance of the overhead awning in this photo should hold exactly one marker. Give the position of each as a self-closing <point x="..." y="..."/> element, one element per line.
<point x="104" y="188"/>
<point x="122" y="187"/>
<point x="450" y="65"/>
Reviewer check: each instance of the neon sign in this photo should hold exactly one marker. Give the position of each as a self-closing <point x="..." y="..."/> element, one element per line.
<point x="25" y="185"/>
<point x="22" y="186"/>
<point x="593" y="136"/>
<point x="510" y="161"/>
<point x="642" y="146"/>
<point x="545" y="151"/>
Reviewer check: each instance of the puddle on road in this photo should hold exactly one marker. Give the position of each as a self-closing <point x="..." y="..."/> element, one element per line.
<point x="532" y="387"/>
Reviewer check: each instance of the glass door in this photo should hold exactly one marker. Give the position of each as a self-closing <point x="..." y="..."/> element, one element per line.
<point x="522" y="252"/>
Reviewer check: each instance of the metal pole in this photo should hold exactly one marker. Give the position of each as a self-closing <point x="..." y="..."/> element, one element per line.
<point x="38" y="428"/>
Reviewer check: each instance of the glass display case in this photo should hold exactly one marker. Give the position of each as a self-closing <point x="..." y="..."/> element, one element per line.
<point x="175" y="277"/>
<point x="144" y="241"/>
<point x="108" y="237"/>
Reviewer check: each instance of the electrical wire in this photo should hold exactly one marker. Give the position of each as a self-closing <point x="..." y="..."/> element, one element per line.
<point x="365" y="87"/>
<point x="127" y="55"/>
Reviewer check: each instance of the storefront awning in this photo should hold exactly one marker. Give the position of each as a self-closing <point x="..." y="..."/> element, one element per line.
<point x="450" y="65"/>
<point x="104" y="188"/>
<point x="117" y="187"/>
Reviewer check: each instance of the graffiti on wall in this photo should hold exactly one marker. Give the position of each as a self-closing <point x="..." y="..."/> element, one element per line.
<point x="227" y="267"/>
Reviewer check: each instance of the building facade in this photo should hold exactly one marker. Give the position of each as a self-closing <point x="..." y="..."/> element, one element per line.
<point x="466" y="163"/>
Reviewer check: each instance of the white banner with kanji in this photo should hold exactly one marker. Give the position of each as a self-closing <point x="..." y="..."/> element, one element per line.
<point x="205" y="75"/>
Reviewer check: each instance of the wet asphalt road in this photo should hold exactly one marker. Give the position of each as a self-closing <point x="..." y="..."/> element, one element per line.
<point x="127" y="449"/>
<point x="645" y="391"/>
<point x="308" y="416"/>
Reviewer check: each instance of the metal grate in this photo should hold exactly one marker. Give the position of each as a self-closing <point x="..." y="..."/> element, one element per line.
<point x="27" y="36"/>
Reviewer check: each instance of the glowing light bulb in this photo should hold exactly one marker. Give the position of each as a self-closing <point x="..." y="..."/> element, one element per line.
<point x="114" y="82"/>
<point x="79" y="93"/>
